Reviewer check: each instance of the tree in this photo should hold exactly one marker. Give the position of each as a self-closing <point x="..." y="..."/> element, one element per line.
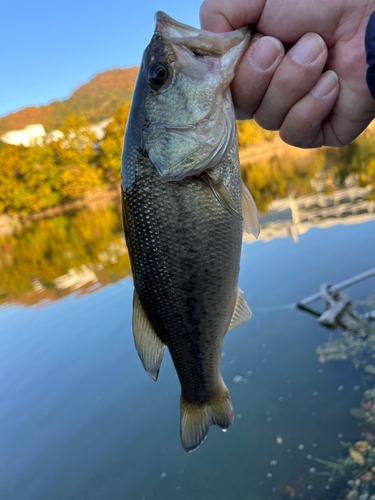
<point x="29" y="179"/>
<point x="75" y="156"/>
<point x="111" y="146"/>
<point x="250" y="133"/>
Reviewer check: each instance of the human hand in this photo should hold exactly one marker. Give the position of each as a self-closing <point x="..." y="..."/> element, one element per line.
<point x="316" y="93"/>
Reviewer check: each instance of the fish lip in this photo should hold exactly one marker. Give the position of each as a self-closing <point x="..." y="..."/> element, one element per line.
<point x="165" y="24"/>
<point x="174" y="31"/>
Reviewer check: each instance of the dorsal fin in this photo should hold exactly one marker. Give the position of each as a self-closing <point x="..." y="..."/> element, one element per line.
<point x="149" y="347"/>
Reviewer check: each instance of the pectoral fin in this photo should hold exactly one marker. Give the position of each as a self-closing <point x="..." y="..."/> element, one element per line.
<point x="249" y="212"/>
<point x="149" y="347"/>
<point x="241" y="312"/>
<point x="221" y="194"/>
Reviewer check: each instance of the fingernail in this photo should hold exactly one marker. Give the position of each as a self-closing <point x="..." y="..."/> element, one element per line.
<point x="265" y="52"/>
<point x="325" y="85"/>
<point x="308" y="48"/>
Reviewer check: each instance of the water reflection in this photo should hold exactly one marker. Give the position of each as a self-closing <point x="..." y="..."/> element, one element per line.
<point x="84" y="250"/>
<point x="48" y="259"/>
<point x="291" y="217"/>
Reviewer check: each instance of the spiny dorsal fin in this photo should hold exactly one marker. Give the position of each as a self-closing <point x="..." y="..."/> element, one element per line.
<point x="149" y="347"/>
<point x="249" y="212"/>
<point x="241" y="312"/>
<point x="196" y="419"/>
<point x="221" y="194"/>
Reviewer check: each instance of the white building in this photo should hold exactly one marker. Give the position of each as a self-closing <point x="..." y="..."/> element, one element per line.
<point x="29" y="136"/>
<point x="54" y="135"/>
<point x="35" y="134"/>
<point x="99" y="128"/>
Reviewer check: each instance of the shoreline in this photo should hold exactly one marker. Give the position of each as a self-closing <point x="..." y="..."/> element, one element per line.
<point x="92" y="199"/>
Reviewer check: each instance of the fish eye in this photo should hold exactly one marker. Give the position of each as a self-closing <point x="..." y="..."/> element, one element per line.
<point x="158" y="75"/>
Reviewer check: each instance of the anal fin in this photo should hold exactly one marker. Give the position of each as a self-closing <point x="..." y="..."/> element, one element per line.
<point x="149" y="347"/>
<point x="249" y="212"/>
<point x="241" y="312"/>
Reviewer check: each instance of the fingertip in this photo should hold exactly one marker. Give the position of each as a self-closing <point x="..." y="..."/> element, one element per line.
<point x="326" y="84"/>
<point x="211" y="19"/>
<point x="303" y="125"/>
<point x="265" y="52"/>
<point x="254" y="74"/>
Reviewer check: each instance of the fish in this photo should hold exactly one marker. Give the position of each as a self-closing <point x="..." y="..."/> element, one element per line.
<point x="184" y="211"/>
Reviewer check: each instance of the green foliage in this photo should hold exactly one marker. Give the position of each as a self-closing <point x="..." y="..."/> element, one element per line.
<point x="75" y="156"/>
<point x="39" y="177"/>
<point x="111" y="146"/>
<point x="29" y="179"/>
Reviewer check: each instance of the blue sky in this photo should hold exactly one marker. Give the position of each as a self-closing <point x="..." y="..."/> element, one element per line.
<point x="50" y="48"/>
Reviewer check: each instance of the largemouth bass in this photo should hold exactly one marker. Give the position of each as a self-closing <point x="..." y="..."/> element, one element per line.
<point x="184" y="210"/>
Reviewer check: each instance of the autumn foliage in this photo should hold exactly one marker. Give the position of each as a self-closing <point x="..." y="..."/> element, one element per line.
<point x="111" y="146"/>
<point x="55" y="172"/>
<point x="39" y="177"/>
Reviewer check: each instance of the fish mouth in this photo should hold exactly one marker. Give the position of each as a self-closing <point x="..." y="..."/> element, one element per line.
<point x="169" y="27"/>
<point x="201" y="42"/>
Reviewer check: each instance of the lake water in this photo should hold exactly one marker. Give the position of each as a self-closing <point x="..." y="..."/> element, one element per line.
<point x="81" y="420"/>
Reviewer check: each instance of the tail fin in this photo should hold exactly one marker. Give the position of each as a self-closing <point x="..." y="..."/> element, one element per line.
<point x="196" y="419"/>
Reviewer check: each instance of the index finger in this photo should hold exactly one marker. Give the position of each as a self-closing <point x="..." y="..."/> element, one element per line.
<point x="221" y="16"/>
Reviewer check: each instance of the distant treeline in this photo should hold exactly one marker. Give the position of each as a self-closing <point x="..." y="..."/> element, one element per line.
<point x="43" y="176"/>
<point x="46" y="175"/>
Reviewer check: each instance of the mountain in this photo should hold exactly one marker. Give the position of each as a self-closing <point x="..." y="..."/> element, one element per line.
<point x="97" y="99"/>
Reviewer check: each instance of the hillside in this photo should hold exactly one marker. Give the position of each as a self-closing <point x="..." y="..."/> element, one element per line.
<point x="96" y="100"/>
